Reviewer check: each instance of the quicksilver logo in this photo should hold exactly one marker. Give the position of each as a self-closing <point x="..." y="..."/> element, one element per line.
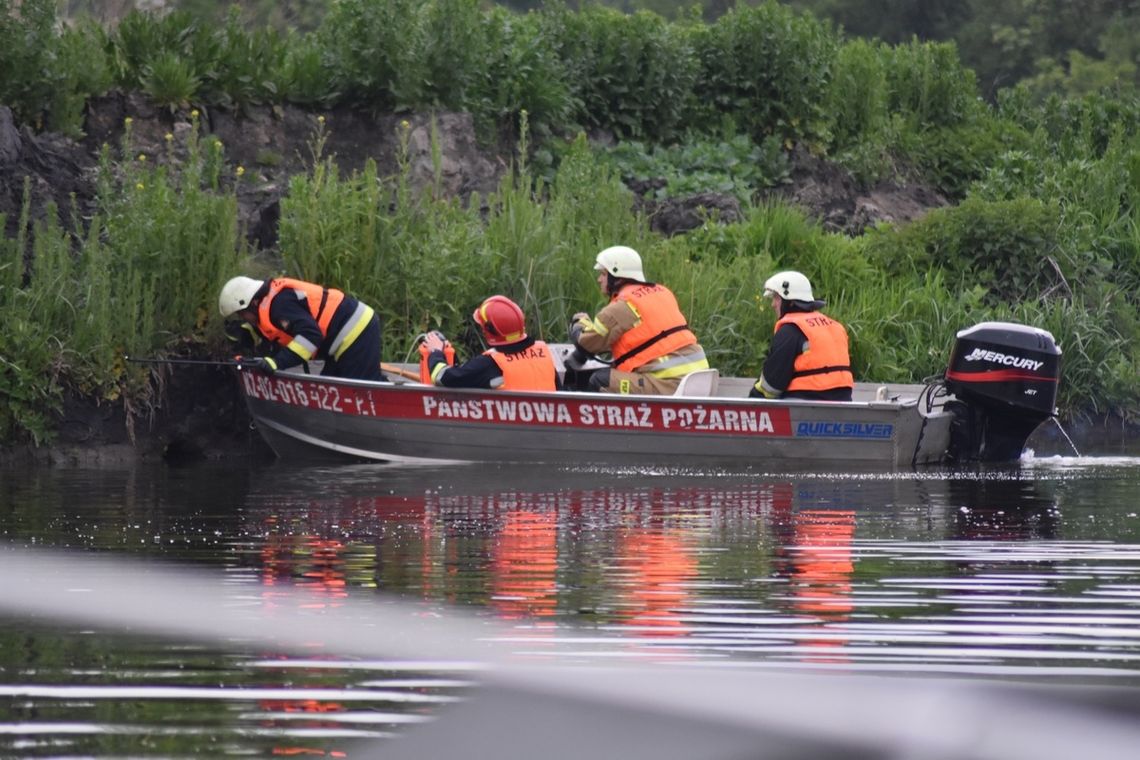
<point x="1007" y="360"/>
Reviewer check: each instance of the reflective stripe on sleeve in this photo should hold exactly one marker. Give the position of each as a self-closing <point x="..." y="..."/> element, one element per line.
<point x="351" y="330"/>
<point x="670" y="365"/>
<point x="302" y="348"/>
<point x="437" y="373"/>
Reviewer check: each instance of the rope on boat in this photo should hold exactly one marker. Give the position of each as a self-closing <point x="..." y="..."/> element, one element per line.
<point x="935" y="389"/>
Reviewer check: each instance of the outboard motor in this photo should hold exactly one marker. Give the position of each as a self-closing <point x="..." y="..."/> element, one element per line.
<point x="1004" y="378"/>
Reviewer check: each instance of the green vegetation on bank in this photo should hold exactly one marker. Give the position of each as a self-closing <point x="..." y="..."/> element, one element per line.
<point x="1046" y="230"/>
<point x="1061" y="46"/>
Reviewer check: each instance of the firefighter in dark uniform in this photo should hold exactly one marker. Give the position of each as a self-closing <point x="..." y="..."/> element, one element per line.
<point x="809" y="356"/>
<point x="306" y="322"/>
<point x="513" y="360"/>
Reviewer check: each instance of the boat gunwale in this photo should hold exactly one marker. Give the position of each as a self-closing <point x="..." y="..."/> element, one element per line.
<point x="900" y="403"/>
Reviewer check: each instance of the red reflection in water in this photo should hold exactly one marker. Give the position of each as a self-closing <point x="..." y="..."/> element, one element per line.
<point x="654" y="596"/>
<point x="822" y="565"/>
<point x="307" y="562"/>
<point x="820" y="574"/>
<point x="314" y="707"/>
<point x="524" y="566"/>
<point x="506" y="544"/>
<point x="307" y="752"/>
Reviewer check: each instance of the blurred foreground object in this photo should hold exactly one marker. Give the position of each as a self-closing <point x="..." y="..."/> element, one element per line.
<point x="526" y="708"/>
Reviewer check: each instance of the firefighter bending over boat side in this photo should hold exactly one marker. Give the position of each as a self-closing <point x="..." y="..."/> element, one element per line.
<point x="307" y="322"/>
<point x="513" y="360"/>
<point x="808" y="358"/>
<point x="642" y="326"/>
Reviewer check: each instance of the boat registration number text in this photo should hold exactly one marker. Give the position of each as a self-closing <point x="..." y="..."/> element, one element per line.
<point x="332" y="398"/>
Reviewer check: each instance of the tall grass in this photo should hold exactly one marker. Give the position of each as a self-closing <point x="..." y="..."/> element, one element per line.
<point x="425" y="262"/>
<point x="858" y="94"/>
<point x="28" y="361"/>
<point x="138" y="278"/>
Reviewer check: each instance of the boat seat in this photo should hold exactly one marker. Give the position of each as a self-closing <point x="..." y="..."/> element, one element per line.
<point x="703" y="382"/>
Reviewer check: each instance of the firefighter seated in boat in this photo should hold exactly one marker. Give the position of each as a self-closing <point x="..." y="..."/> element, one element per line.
<point x="808" y="357"/>
<point x="642" y="327"/>
<point x="306" y="322"/>
<point x="513" y="360"/>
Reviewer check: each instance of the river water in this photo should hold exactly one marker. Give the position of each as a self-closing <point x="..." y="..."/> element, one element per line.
<point x="1029" y="572"/>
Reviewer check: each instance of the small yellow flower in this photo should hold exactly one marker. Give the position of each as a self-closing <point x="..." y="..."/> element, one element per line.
<point x="140" y="186"/>
<point x="128" y="121"/>
<point x="168" y="136"/>
<point x="194" y="114"/>
<point x="142" y="157"/>
<point x="240" y="170"/>
<point x="320" y="119"/>
<point x="404" y="124"/>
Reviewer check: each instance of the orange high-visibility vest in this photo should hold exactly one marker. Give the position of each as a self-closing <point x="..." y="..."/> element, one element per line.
<point x="531" y="369"/>
<point x="826" y="364"/>
<point x="662" y="329"/>
<point x="323" y="303"/>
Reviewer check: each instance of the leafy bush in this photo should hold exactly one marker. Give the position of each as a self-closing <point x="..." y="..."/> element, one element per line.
<point x="455" y="51"/>
<point x="373" y="51"/>
<point x="769" y="69"/>
<point x="857" y="93"/>
<point x="306" y="77"/>
<point x="48" y="72"/>
<point x="929" y="84"/>
<point x="1072" y="128"/>
<point x="170" y="81"/>
<point x="954" y="157"/>
<point x="142" y="38"/>
<point x="632" y="75"/>
<point x="521" y="73"/>
<point x="250" y="65"/>
<point x="736" y="167"/>
<point x="374" y="238"/>
<point x="1013" y="248"/>
<point x="425" y="263"/>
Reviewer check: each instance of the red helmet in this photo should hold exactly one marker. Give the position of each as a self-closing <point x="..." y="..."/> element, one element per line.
<point x="502" y="321"/>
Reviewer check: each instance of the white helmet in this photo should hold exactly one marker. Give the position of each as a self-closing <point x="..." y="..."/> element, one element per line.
<point x="790" y="286"/>
<point x="622" y="262"/>
<point x="237" y="294"/>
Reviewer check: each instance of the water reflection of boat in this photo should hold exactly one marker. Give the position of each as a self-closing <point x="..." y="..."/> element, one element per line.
<point x="1000" y="385"/>
<point x="524" y="565"/>
<point x="1002" y="508"/>
<point x="642" y="555"/>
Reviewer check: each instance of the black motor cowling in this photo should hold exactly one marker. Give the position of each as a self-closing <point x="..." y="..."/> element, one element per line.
<point x="1004" y="378"/>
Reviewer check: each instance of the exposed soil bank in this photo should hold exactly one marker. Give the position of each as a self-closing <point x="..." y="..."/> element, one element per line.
<point x="201" y="415"/>
<point x="274" y="143"/>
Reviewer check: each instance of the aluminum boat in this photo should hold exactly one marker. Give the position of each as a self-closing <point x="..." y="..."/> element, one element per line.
<point x="1000" y="384"/>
